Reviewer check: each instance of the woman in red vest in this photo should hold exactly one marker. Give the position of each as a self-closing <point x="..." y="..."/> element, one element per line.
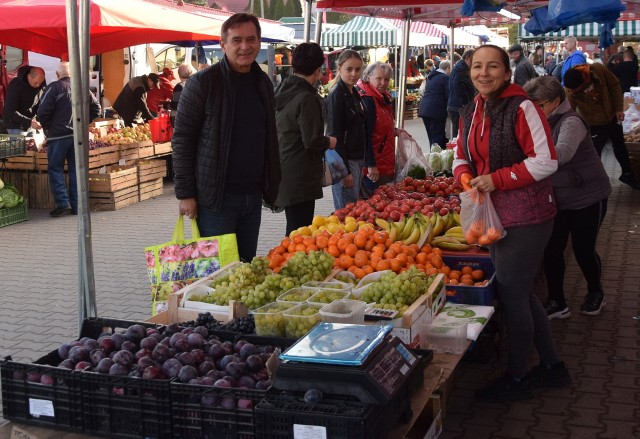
<point x="382" y="132"/>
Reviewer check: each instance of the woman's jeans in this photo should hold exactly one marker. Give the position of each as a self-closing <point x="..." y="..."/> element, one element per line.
<point x="343" y="195"/>
<point x="239" y="214"/>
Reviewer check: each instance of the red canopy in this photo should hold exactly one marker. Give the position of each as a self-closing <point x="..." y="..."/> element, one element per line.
<point x="40" y="25"/>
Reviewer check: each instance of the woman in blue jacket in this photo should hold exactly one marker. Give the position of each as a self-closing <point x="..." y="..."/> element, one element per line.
<point x="433" y="104"/>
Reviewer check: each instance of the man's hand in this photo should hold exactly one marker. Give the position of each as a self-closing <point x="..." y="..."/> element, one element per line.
<point x="348" y="181"/>
<point x="35" y="124"/>
<point x="372" y="173"/>
<point x="188" y="207"/>
<point x="332" y="142"/>
<point x="620" y="116"/>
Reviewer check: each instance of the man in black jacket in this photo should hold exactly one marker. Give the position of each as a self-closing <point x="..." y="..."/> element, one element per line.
<point x="131" y="103"/>
<point x="461" y="90"/>
<point x="22" y="99"/>
<point x="225" y="144"/>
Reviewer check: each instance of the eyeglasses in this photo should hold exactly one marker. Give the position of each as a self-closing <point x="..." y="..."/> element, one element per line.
<point x="542" y="104"/>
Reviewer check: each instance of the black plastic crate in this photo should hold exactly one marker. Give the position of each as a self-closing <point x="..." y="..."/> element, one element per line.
<point x="198" y="412"/>
<point x="123" y="406"/>
<point x="342" y="418"/>
<point x="126" y="407"/>
<point x="54" y="405"/>
<point x="12" y="145"/>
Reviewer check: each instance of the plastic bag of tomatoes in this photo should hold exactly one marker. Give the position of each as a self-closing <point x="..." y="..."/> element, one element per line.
<point x="479" y="219"/>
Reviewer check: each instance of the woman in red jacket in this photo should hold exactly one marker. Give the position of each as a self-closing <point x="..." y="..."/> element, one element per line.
<point x="373" y="89"/>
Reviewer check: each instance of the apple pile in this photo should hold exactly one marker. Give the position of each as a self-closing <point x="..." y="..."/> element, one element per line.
<point x="394" y="201"/>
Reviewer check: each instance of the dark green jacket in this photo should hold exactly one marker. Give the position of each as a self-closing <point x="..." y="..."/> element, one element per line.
<point x="302" y="141"/>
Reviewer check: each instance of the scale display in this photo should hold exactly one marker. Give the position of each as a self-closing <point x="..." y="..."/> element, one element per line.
<point x="337" y="343"/>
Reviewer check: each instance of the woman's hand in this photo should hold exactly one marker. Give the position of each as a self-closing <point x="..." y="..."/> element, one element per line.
<point x="348" y="181"/>
<point x="483" y="183"/>
<point x="188" y="207"/>
<point x="372" y="173"/>
<point x="332" y="142"/>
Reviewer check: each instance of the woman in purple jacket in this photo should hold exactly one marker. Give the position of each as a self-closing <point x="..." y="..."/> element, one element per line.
<point x="581" y="187"/>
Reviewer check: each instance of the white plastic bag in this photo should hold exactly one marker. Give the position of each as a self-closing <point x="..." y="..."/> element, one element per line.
<point x="38" y="137"/>
<point x="408" y="154"/>
<point x="631" y="120"/>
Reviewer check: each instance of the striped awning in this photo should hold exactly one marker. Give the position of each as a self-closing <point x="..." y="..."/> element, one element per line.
<point x="362" y="31"/>
<point x="421" y="27"/>
<point x="586" y="30"/>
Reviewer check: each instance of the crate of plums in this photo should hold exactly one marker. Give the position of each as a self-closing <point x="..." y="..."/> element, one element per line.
<point x="216" y="396"/>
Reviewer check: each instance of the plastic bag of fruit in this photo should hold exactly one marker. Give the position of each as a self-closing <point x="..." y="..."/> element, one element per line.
<point x="479" y="219"/>
<point x="408" y="155"/>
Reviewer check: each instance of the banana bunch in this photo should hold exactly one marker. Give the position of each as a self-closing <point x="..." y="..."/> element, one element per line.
<point x="453" y="239"/>
<point x="409" y="230"/>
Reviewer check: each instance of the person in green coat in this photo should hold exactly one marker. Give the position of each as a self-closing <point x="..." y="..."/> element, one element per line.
<point x="300" y="125"/>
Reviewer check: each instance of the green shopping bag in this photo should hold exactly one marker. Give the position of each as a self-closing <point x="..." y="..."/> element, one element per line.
<point x="177" y="263"/>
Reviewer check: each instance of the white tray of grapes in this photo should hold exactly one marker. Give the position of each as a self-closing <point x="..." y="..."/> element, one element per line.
<point x="202" y="297"/>
<point x="365" y="281"/>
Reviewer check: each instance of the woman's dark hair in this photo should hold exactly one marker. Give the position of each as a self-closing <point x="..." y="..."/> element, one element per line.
<point x="307" y="58"/>
<point x="504" y="56"/>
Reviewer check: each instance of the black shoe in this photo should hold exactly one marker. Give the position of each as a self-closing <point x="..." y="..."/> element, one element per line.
<point x="59" y="211"/>
<point x="629" y="179"/>
<point x="593" y="304"/>
<point x="555" y="376"/>
<point x="506" y="389"/>
<point x="556" y="310"/>
<point x="74" y="211"/>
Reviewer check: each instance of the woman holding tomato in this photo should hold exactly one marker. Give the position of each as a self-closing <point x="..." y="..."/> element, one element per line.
<point x="347" y="122"/>
<point x="506" y="149"/>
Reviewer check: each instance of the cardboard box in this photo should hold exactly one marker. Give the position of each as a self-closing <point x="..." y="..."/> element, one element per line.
<point x="428" y="425"/>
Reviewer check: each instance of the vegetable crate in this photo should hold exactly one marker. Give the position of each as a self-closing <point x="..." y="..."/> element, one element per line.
<point x="467" y="294"/>
<point x="123" y="406"/>
<point x="129" y="151"/>
<point x="145" y="149"/>
<point x="206" y="411"/>
<point x="151" y="170"/>
<point x="150" y="189"/>
<point x="105" y="156"/>
<point x="116" y="188"/>
<point x="278" y="417"/>
<point x="411" y="113"/>
<point x="41" y="394"/>
<point x="162" y="148"/>
<point x="12" y="215"/>
<point x="12" y="145"/>
<point x="26" y="162"/>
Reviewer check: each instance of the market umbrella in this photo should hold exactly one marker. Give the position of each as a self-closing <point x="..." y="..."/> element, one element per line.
<point x="41" y="25"/>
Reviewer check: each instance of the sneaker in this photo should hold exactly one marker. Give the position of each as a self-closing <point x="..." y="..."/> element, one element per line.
<point x="629" y="179"/>
<point x="593" y="304"/>
<point x="554" y="376"/>
<point x="557" y="311"/>
<point x="59" y="211"/>
<point x="506" y="389"/>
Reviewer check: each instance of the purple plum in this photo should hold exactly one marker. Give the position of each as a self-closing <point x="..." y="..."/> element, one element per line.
<point x="187" y="373"/>
<point x="104" y="365"/>
<point x="125" y="358"/>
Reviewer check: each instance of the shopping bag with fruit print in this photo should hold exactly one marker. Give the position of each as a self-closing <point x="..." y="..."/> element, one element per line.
<point x="479" y="219"/>
<point x="181" y="261"/>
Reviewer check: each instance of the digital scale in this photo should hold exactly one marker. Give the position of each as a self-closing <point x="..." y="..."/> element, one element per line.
<point x="363" y="361"/>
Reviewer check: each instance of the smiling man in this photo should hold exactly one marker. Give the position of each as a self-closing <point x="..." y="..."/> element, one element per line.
<point x="225" y="144"/>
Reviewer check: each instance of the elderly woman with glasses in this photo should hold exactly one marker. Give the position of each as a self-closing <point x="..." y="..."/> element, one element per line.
<point x="382" y="134"/>
<point x="581" y="187"/>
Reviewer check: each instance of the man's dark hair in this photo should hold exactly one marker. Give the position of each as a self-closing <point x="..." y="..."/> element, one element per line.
<point x="238" y="19"/>
<point x="467" y="54"/>
<point x="307" y="58"/>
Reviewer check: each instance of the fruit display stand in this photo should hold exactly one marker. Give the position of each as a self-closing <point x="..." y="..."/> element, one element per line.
<point x="26" y="162"/>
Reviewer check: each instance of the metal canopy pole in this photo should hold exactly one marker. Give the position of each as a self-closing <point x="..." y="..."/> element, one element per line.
<point x="79" y="67"/>
<point x="307" y="21"/>
<point x="402" y="74"/>
<point x="318" y="32"/>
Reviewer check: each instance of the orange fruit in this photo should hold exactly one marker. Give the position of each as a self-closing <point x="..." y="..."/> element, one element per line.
<point x="466" y="270"/>
<point x="312" y="248"/>
<point x="470" y="237"/>
<point x="453" y="282"/>
<point x="360" y="240"/>
<point x="390" y="254"/>
<point x="361" y="258"/>
<point x="345" y="261"/>
<point x="368" y="269"/>
<point x="359" y="273"/>
<point x="369" y="244"/>
<point x="403" y="258"/>
<point x="454" y="274"/>
<point x="300" y="247"/>
<point x="466" y="279"/>
<point x="493" y="233"/>
<point x="431" y="271"/>
<point x="343" y="243"/>
<point x="292" y="247"/>
<point x="333" y="251"/>
<point x="380" y="237"/>
<point x="322" y="241"/>
<point x="298" y="239"/>
<point x="422" y="258"/>
<point x="383" y="265"/>
<point x="285" y="242"/>
<point x="484" y="240"/>
<point x="351" y="250"/>
<point x="395" y="265"/>
<point x="436" y="261"/>
<point x="477" y="275"/>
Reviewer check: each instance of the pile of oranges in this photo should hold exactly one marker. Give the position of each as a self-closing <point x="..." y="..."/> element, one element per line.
<point x="467" y="276"/>
<point x="361" y="252"/>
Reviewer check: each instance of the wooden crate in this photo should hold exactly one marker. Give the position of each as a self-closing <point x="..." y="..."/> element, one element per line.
<point x="113" y="200"/>
<point x="150" y="189"/>
<point x="129" y="151"/>
<point x="42" y="162"/>
<point x="162" y="148"/>
<point x="145" y="149"/>
<point x="105" y="156"/>
<point x="25" y="162"/>
<point x="116" y="178"/>
<point x="149" y="170"/>
<point x="411" y="113"/>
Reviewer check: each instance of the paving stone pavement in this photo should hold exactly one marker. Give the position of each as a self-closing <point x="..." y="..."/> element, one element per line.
<point x="38" y="311"/>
